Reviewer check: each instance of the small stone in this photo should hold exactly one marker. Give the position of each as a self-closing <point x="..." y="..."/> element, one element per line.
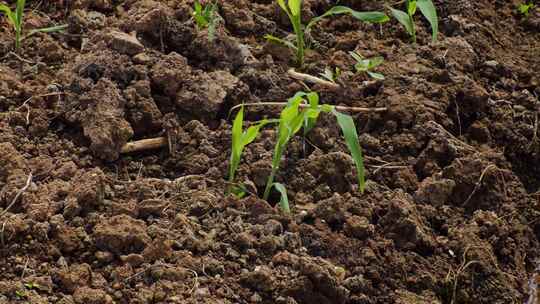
<point x="125" y="43"/>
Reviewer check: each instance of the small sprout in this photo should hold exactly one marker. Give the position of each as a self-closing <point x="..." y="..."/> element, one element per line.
<point x="284" y="200"/>
<point x="20" y="294"/>
<point x="293" y="9"/>
<point x="240" y="139"/>
<point x="364" y="65"/>
<point x="31" y="285"/>
<point x="427" y="8"/>
<point x="206" y="17"/>
<point x="330" y="75"/>
<point x="301" y="111"/>
<point x="525" y="8"/>
<point x="16" y="19"/>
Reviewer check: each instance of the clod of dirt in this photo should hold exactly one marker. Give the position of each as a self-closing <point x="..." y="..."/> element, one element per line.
<point x="435" y="192"/>
<point x="205" y="95"/>
<point x="121" y="234"/>
<point x="87" y="295"/>
<point x="103" y="120"/>
<point x="124" y="43"/>
<point x="77" y="275"/>
<point x="403" y="224"/>
<point x="261" y="279"/>
<point x="332" y="169"/>
<point x="358" y="227"/>
<point x="142" y="112"/>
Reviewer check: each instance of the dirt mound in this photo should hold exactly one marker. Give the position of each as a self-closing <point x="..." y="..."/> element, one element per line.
<point x="451" y="208"/>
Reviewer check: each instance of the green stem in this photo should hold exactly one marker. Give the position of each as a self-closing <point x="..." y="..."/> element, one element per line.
<point x="269" y="185"/>
<point x="300" y="44"/>
<point x="17" y="40"/>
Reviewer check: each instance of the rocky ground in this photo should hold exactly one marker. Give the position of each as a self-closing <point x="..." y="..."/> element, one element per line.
<point x="452" y="205"/>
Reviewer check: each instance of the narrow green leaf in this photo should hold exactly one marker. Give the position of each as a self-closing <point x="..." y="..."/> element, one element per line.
<point x="283" y="5"/>
<point x="284" y="200"/>
<point x="237" y="131"/>
<point x="20" y="11"/>
<point x="371" y="17"/>
<point x="375" y="62"/>
<point x="277" y="40"/>
<point x="376" y="75"/>
<point x="9" y="14"/>
<point x="430" y="12"/>
<point x="351" y="138"/>
<point x="404" y="19"/>
<point x="251" y="133"/>
<point x="411" y="7"/>
<point x="295" y="7"/>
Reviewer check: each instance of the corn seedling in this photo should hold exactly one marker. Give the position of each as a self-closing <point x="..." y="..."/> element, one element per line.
<point x="331" y="75"/>
<point x="206" y="17"/>
<point x="525" y="8"/>
<point x="240" y="139"/>
<point x="427" y="8"/>
<point x="293" y="9"/>
<point x="16" y="19"/>
<point x="366" y="65"/>
<point x="301" y="111"/>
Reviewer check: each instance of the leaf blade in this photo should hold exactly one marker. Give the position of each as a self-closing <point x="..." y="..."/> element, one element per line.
<point x="427" y="8"/>
<point x="284" y="200"/>
<point x="348" y="128"/>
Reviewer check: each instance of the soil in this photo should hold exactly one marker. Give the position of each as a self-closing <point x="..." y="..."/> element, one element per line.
<point x="451" y="208"/>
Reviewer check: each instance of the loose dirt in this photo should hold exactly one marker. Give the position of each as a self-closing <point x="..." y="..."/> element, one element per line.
<point x="452" y="205"/>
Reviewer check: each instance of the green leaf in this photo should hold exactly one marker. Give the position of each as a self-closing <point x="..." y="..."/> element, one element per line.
<point x="404" y="19"/>
<point x="20" y="11"/>
<point x="296" y="7"/>
<point x="376" y="75"/>
<point x="356" y="56"/>
<point x="277" y="40"/>
<point x="9" y="14"/>
<point x="284" y="200"/>
<point x="375" y="62"/>
<point x="237" y="131"/>
<point x="252" y="132"/>
<point x="411" y="7"/>
<point x="371" y="17"/>
<point x="430" y="12"/>
<point x="283" y="5"/>
<point x="351" y="138"/>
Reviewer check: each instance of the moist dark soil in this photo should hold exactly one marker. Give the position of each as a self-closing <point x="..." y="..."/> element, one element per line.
<point x="451" y="211"/>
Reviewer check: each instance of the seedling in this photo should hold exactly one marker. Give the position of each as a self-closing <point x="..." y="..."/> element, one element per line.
<point x="16" y="20"/>
<point x="301" y="111"/>
<point x="293" y="9"/>
<point x="364" y="65"/>
<point x="525" y="8"/>
<point x="427" y="8"/>
<point x="240" y="139"/>
<point x="331" y="75"/>
<point x="206" y="17"/>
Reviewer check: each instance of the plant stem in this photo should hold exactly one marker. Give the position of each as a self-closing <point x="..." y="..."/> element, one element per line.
<point x="269" y="185"/>
<point x="297" y="26"/>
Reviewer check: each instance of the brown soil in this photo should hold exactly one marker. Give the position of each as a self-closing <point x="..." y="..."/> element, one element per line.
<point x="452" y="206"/>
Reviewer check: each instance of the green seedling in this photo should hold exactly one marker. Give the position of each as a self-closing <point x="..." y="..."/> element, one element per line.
<point x="301" y="112"/>
<point x="525" y="8"/>
<point x="293" y="9"/>
<point x="16" y="19"/>
<point x="240" y="139"/>
<point x="427" y="8"/>
<point x="366" y="65"/>
<point x="331" y="75"/>
<point x="206" y="17"/>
